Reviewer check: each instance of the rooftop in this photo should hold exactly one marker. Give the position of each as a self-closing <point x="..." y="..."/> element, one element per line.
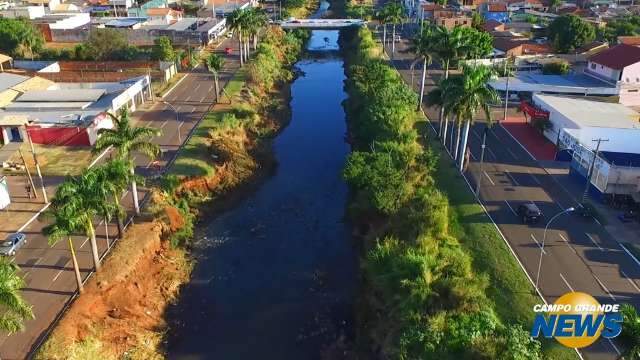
<point x="496" y="7"/>
<point x="7" y="81"/>
<point x="629" y="40"/>
<point x="617" y="57"/>
<point x="590" y="113"/>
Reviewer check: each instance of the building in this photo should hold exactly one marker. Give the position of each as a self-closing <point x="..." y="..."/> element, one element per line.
<point x="5" y="61"/>
<point x="164" y="15"/>
<point x="493" y="25"/>
<point x="69" y="113"/>
<point x="12" y="85"/>
<point x="576" y="122"/>
<point x="620" y="63"/>
<point x="450" y="19"/>
<point x="629" y="40"/>
<point x="495" y="11"/>
<point x="27" y="12"/>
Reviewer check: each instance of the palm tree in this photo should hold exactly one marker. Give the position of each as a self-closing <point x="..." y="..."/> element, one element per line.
<point x="114" y="177"/>
<point x="13" y="309"/>
<point x="449" y="46"/>
<point x="215" y="63"/>
<point x="257" y="20"/>
<point x="79" y="199"/>
<point x="630" y="335"/>
<point x="394" y="13"/>
<point x="438" y="97"/>
<point x="237" y="21"/>
<point x="422" y="46"/>
<point x="63" y="228"/>
<point x="470" y="95"/>
<point x="126" y="139"/>
<point x="381" y="15"/>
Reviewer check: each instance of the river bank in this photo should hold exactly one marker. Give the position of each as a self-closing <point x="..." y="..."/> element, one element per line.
<point x="122" y="312"/>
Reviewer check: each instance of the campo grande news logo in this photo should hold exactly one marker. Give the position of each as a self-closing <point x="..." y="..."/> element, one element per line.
<point x="577" y="320"/>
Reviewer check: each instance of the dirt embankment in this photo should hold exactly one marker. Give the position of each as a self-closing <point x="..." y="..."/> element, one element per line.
<point x="122" y="309"/>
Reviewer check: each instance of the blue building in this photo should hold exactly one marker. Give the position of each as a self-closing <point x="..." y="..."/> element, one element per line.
<point x="495" y="11"/>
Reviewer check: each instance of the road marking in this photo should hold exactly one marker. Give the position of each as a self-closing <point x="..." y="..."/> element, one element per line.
<point x="164" y="124"/>
<point x="566" y="282"/>
<point x="33" y="218"/>
<point x="597" y="221"/>
<point x="534" y="178"/>
<point x="629" y="253"/>
<point x="510" y="208"/>
<point x="58" y="274"/>
<point x="174" y="86"/>
<point x="511" y="152"/>
<point x="488" y="177"/>
<point x="539" y="245"/>
<point x="630" y="281"/>
<point x="476" y="135"/>
<point x="604" y="288"/>
<point x="99" y="157"/>
<point x="568" y="244"/>
<point x="197" y="87"/>
<point x="614" y="347"/>
<point x="513" y="180"/>
<point x="492" y="154"/>
<point x="85" y="241"/>
<point x="594" y="241"/>
<point x="472" y="156"/>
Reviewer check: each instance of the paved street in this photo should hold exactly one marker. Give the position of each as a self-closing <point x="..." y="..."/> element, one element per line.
<point x="50" y="282"/>
<point x="579" y="255"/>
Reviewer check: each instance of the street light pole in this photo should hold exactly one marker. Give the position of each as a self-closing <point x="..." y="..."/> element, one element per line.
<point x="590" y="170"/>
<point x="484" y="145"/>
<point x="177" y="119"/>
<point x="544" y="237"/>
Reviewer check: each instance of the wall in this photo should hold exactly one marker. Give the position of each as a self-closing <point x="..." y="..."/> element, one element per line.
<point x="70" y="136"/>
<point x="73" y="21"/>
<point x="603" y="71"/>
<point x="631" y="74"/>
<point x="69" y="36"/>
<point x="29" y="12"/>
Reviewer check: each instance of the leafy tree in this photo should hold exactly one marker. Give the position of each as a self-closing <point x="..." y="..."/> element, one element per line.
<point x="556" y="68"/>
<point x="555" y="4"/>
<point x="237" y="23"/>
<point x="20" y="38"/>
<point x="477" y="21"/>
<point x="125" y="139"/>
<point x="630" y="335"/>
<point x="114" y="177"/>
<point x="163" y="49"/>
<point x="394" y="14"/>
<point x="215" y="63"/>
<point x="569" y="32"/>
<point x="623" y="26"/>
<point x="106" y="44"/>
<point x="13" y="309"/>
<point x="478" y="44"/>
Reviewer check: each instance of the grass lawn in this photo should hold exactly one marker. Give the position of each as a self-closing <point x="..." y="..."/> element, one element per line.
<point x="194" y="158"/>
<point x="159" y="87"/>
<point x="56" y="160"/>
<point x="509" y="289"/>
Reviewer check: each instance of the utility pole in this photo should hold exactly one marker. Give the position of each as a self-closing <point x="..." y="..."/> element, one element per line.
<point x="35" y="160"/>
<point x="506" y="95"/>
<point x="585" y="194"/>
<point x="26" y="168"/>
<point x="484" y="145"/>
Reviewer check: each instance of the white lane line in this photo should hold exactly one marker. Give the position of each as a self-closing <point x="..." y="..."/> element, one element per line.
<point x="33" y="218"/>
<point x="539" y="245"/>
<point x="489" y="177"/>
<point x="614" y="347"/>
<point x="476" y="135"/>
<point x="604" y="288"/>
<point x="164" y="124"/>
<point x="566" y="282"/>
<point x="58" y="274"/>
<point x="513" y="180"/>
<point x="472" y="156"/>
<point x="633" y="283"/>
<point x="594" y="242"/>
<point x="597" y="221"/>
<point x="568" y="244"/>
<point x="511" y="152"/>
<point x="197" y="87"/>
<point x="510" y="208"/>
<point x="629" y="253"/>
<point x="534" y="178"/>
<point x="491" y="152"/>
<point x="85" y="241"/>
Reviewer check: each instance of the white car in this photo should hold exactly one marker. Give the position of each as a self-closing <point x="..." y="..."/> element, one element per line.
<point x="12" y="244"/>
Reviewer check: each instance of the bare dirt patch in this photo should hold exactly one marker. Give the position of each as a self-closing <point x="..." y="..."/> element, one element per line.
<point x="123" y="306"/>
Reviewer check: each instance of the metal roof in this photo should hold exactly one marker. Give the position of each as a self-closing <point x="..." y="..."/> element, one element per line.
<point x="47" y="106"/>
<point x="7" y="81"/>
<point x="183" y="24"/>
<point x="589" y="113"/>
<point x="63" y="95"/>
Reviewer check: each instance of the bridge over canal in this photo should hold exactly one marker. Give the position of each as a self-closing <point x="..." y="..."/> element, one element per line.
<point x="321" y="24"/>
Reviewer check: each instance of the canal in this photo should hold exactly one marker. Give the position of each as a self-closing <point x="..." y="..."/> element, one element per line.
<point x="276" y="275"/>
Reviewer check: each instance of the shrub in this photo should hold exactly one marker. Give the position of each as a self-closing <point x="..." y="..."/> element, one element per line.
<point x="556" y="68"/>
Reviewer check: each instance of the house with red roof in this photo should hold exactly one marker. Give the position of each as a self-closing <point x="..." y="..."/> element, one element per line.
<point x="620" y="63"/>
<point x="495" y="11"/>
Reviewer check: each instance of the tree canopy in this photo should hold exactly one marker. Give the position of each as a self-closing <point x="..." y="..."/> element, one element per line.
<point x="19" y="38"/>
<point x="624" y="26"/>
<point x="163" y="49"/>
<point x="569" y="32"/>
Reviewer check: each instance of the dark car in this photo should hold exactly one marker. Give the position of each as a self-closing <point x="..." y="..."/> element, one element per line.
<point x="12" y="243"/>
<point x="529" y="212"/>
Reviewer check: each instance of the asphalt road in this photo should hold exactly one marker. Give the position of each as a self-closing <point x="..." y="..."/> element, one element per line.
<point x="579" y="255"/>
<point x="50" y="283"/>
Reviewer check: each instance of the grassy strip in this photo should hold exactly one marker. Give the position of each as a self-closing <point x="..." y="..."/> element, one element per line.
<point x="510" y="290"/>
<point x="159" y="87"/>
<point x="194" y="158"/>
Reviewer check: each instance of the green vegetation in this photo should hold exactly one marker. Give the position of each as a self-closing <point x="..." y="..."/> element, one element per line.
<point x="391" y="13"/>
<point x="556" y="68"/>
<point x="163" y="49"/>
<point x="622" y="26"/>
<point x="630" y="335"/>
<point x="569" y="32"/>
<point x="19" y="38"/>
<point x="13" y="309"/>
<point x="247" y="24"/>
<point x="439" y="281"/>
<point x="215" y="63"/>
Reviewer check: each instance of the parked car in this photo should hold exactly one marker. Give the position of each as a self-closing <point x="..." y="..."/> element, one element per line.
<point x="12" y="243"/>
<point x="529" y="212"/>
